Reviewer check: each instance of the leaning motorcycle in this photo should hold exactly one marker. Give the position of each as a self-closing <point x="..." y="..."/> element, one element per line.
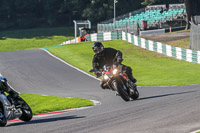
<point x="11" y="109"/>
<point x="116" y="80"/>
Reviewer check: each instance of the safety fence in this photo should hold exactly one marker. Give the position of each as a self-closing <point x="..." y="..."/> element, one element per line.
<point x="69" y="41"/>
<point x="168" y="50"/>
<point x="171" y="51"/>
<point x="106" y="36"/>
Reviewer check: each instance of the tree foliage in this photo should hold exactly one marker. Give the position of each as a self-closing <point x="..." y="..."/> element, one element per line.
<point x="42" y="13"/>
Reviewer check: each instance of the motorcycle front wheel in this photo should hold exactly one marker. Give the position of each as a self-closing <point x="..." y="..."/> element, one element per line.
<point x="120" y="89"/>
<point x="3" y="120"/>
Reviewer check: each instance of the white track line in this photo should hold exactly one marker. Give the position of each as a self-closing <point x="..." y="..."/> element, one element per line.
<point x="63" y="111"/>
<point x="69" y="64"/>
<point x="58" y="112"/>
<point x="97" y="102"/>
<point x="10" y="85"/>
<point x="195" y="131"/>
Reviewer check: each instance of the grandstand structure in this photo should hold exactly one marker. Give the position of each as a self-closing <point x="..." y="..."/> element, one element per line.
<point x="149" y="18"/>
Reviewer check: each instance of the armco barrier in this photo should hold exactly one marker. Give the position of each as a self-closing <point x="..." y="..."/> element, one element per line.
<point x="69" y="41"/>
<point x="106" y="36"/>
<point x="171" y="51"/>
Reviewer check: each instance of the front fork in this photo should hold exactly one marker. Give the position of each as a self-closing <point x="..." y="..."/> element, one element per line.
<point x="123" y="82"/>
<point x="130" y="86"/>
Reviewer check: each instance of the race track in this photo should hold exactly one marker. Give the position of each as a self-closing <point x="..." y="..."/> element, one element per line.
<point x="158" y="110"/>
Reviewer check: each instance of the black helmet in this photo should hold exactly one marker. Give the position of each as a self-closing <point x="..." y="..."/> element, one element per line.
<point x="97" y="47"/>
<point x="3" y="83"/>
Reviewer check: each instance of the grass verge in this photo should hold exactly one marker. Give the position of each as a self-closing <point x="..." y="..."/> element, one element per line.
<point x="182" y="43"/>
<point x="43" y="104"/>
<point x="149" y="68"/>
<point x="33" y="38"/>
<point x="38" y="38"/>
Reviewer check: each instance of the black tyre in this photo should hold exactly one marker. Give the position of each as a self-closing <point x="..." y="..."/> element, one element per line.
<point x="3" y="121"/>
<point x="122" y="92"/>
<point x="135" y="95"/>
<point x="26" y="111"/>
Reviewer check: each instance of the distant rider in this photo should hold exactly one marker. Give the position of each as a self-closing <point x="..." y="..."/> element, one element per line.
<point x="5" y="87"/>
<point x="108" y="56"/>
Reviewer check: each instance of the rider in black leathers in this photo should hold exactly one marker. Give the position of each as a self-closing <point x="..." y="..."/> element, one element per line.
<point x="4" y="86"/>
<point x="108" y="56"/>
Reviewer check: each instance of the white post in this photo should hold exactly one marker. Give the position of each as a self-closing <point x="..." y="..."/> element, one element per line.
<point x="89" y="24"/>
<point x="114" y="11"/>
<point x="75" y="30"/>
<point x="115" y="1"/>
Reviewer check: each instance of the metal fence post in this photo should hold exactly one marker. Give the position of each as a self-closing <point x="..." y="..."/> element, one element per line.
<point x="198" y="35"/>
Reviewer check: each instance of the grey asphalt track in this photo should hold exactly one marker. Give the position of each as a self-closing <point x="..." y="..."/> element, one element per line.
<point x="158" y="110"/>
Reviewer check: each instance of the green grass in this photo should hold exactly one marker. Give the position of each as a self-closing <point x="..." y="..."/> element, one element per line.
<point x="149" y="68"/>
<point x="33" y="38"/>
<point x="39" y="38"/>
<point x="43" y="104"/>
<point x="183" y="43"/>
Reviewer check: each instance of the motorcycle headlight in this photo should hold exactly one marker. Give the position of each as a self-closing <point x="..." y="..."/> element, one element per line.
<point x="114" y="71"/>
<point x="105" y="77"/>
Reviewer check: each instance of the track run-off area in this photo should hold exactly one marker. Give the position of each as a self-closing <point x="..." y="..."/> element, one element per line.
<point x="165" y="109"/>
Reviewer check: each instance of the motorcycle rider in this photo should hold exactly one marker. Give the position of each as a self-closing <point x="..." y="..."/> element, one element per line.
<point x="4" y="86"/>
<point x="108" y="56"/>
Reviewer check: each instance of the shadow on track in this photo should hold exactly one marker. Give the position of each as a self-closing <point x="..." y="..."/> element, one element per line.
<point x="165" y="95"/>
<point x="46" y="120"/>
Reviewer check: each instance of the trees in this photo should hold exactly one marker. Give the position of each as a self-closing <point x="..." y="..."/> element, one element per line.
<point x="150" y="2"/>
<point x="192" y="8"/>
<point x="36" y="13"/>
<point x="99" y="10"/>
<point x="188" y="9"/>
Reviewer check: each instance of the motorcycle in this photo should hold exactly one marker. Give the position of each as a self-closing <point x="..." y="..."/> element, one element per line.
<point x="116" y="80"/>
<point x="11" y="109"/>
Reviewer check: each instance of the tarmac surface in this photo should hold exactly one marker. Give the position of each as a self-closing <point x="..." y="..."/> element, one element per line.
<point x="173" y="109"/>
<point x="168" y="37"/>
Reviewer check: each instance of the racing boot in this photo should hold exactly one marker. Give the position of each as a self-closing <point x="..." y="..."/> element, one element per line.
<point x="133" y="79"/>
<point x="128" y="72"/>
<point x="132" y="82"/>
<point x="130" y="77"/>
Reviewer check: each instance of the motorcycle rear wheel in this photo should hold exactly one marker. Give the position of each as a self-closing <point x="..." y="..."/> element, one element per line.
<point x="3" y="121"/>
